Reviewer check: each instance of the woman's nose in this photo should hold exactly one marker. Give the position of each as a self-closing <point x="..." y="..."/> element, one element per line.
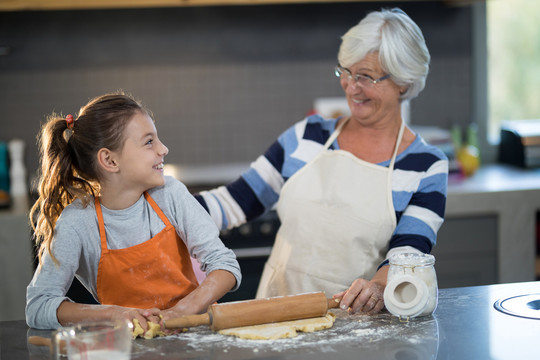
<point x="350" y="84"/>
<point x="352" y="87"/>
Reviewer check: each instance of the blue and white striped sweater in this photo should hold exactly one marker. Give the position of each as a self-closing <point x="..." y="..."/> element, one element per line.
<point x="419" y="184"/>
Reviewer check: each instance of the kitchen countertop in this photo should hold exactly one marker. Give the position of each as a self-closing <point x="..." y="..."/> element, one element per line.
<point x="465" y="326"/>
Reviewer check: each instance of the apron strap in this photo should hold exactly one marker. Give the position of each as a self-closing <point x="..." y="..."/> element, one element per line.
<point x="157" y="209"/>
<point x="101" y="224"/>
<point x="335" y="134"/>
<point x="391" y="172"/>
<point x="398" y="142"/>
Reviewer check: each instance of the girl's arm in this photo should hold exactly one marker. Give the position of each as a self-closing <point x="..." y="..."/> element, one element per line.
<point x="70" y="313"/>
<point x="201" y="237"/>
<point x="216" y="284"/>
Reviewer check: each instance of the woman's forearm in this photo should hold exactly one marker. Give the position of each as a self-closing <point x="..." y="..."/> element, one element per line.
<point x="381" y="276"/>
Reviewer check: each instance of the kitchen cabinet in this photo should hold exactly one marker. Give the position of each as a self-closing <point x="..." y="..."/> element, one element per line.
<point x="16" y="266"/>
<point x="466" y="251"/>
<point x="18" y="5"/>
<point x="510" y="197"/>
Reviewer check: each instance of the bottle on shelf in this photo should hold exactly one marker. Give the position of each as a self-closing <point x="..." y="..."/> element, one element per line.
<point x="17" y="172"/>
<point x="5" y="199"/>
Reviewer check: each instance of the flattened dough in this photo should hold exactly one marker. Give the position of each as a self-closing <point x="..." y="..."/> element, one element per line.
<point x="286" y="329"/>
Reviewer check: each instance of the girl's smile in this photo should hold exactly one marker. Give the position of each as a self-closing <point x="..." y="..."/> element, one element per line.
<point x="159" y="167"/>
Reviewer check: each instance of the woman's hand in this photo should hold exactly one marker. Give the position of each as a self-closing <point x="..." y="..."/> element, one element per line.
<point x="365" y="296"/>
<point x="362" y="296"/>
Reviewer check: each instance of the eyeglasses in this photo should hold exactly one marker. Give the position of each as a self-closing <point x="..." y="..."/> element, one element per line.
<point x="359" y="79"/>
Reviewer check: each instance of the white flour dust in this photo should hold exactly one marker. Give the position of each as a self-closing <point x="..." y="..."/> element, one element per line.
<point x="349" y="330"/>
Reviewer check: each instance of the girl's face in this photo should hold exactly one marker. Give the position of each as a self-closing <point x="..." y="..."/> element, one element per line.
<point x="371" y="103"/>
<point x="141" y="158"/>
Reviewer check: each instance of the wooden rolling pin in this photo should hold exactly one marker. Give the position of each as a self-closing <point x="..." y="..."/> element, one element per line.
<point x="259" y="311"/>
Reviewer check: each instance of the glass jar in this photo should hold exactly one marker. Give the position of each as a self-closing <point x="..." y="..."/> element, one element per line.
<point x="411" y="288"/>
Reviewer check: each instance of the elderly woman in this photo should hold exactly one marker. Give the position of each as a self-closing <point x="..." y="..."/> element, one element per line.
<point x="351" y="191"/>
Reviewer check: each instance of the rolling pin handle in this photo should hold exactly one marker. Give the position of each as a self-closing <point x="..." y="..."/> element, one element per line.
<point x="45" y="341"/>
<point x="40" y="341"/>
<point x="333" y="303"/>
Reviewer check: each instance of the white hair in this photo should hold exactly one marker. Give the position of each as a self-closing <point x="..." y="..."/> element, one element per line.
<point x="402" y="49"/>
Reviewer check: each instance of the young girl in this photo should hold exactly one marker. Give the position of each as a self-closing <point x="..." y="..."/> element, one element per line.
<point x="107" y="215"/>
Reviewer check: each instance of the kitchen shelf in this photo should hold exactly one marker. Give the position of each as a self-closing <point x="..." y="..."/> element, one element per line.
<point x="26" y="5"/>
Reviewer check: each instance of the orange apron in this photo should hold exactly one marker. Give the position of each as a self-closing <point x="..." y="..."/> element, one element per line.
<point x="157" y="273"/>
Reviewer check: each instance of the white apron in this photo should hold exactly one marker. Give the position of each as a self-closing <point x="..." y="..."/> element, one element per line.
<point x="337" y="217"/>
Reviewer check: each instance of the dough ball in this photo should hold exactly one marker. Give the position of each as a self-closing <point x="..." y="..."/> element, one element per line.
<point x="153" y="330"/>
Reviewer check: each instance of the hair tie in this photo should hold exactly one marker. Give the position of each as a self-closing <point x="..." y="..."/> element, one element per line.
<point x="70" y="122"/>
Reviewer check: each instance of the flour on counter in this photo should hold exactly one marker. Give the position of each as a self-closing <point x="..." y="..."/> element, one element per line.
<point x="364" y="332"/>
<point x="419" y="334"/>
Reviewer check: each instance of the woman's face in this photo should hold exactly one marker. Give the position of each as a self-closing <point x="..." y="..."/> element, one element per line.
<point x="373" y="103"/>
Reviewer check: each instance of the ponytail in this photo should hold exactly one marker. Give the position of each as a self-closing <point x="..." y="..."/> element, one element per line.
<point x="59" y="184"/>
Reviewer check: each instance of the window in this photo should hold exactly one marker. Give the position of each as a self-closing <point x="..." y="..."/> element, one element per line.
<point x="513" y="39"/>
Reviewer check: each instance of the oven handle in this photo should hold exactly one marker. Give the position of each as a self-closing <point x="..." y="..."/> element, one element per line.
<point x="246" y="253"/>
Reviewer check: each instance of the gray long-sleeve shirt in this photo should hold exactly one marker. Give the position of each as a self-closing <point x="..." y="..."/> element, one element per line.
<point x="77" y="245"/>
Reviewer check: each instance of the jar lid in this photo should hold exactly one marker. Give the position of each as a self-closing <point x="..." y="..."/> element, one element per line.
<point x="412" y="259"/>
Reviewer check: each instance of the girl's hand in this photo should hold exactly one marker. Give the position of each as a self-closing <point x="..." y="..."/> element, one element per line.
<point x="215" y="285"/>
<point x="142" y="315"/>
<point x="182" y="307"/>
